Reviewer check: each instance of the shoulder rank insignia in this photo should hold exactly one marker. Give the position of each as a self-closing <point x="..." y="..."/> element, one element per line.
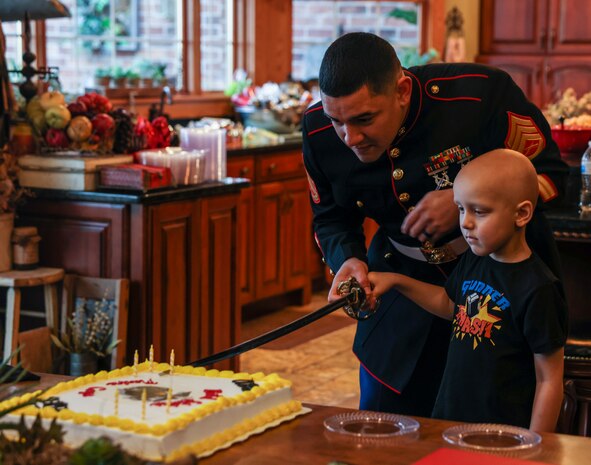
<point x="524" y="136"/>
<point x="313" y="190"/>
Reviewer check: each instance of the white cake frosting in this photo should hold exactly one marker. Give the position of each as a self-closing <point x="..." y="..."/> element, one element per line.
<point x="207" y="410"/>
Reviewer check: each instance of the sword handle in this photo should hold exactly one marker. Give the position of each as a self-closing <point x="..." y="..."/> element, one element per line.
<point x="358" y="306"/>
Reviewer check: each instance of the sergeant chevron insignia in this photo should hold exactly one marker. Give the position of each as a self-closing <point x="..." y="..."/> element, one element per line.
<point x="524" y="136"/>
<point x="313" y="190"/>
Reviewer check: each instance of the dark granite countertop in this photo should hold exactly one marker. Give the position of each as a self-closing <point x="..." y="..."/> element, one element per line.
<point x="260" y="149"/>
<point x="120" y="196"/>
<point x="567" y="220"/>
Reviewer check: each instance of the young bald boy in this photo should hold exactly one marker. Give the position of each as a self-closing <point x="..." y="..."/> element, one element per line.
<point x="505" y="359"/>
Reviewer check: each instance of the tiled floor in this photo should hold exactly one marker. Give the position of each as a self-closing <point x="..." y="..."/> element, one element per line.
<point x="323" y="370"/>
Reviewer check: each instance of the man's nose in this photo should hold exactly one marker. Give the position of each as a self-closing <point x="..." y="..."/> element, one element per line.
<point x="352" y="136"/>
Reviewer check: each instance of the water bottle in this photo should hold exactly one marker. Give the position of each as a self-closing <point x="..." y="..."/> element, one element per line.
<point x="585" y="202"/>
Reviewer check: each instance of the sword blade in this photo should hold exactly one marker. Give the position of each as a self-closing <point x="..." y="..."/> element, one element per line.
<point x="275" y="333"/>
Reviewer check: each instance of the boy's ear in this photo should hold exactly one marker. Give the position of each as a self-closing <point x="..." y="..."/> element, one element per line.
<point x="523" y="213"/>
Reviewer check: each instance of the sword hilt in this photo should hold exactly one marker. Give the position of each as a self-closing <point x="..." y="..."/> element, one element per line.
<point x="357" y="306"/>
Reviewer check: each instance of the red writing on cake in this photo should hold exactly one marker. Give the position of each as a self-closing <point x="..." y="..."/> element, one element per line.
<point x="89" y="392"/>
<point x="211" y="394"/>
<point x="127" y="382"/>
<point x="176" y="403"/>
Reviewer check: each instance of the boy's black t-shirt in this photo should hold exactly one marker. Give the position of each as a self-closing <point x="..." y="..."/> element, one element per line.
<point x="504" y="313"/>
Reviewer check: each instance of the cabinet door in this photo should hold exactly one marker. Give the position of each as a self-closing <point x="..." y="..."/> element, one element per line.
<point x="246" y="245"/>
<point x="219" y="313"/>
<point x="526" y="71"/>
<point x="510" y="26"/>
<point x="297" y="235"/>
<point x="570" y="27"/>
<point x="84" y="238"/>
<point x="173" y="283"/>
<point x="564" y="72"/>
<point x="269" y="204"/>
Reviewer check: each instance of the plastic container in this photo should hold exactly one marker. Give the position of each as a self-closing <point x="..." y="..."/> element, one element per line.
<point x="186" y="166"/>
<point x="212" y="139"/>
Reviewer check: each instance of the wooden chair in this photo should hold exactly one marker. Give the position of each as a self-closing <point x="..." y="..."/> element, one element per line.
<point x="16" y="281"/>
<point x="36" y="353"/>
<point x="566" y="420"/>
<point x="97" y="289"/>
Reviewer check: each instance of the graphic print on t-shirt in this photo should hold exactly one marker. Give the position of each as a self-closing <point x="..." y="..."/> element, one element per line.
<point x="474" y="319"/>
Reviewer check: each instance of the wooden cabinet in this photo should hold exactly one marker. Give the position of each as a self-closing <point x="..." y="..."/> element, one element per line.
<point x="179" y="254"/>
<point x="544" y="44"/>
<point x="275" y="240"/>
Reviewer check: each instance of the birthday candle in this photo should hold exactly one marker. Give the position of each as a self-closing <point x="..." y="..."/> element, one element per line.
<point x="136" y="358"/>
<point x="172" y="361"/>
<point x="116" y="407"/>
<point x="168" y="400"/>
<point x="144" y="398"/>
<point x="151" y="356"/>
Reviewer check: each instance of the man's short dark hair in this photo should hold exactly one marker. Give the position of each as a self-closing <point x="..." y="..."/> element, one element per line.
<point x="357" y="59"/>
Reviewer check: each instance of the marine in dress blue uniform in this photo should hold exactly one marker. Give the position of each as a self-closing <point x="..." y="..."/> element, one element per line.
<point x="456" y="112"/>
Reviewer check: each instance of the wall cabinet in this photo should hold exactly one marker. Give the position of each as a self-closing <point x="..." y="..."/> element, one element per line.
<point x="544" y="44"/>
<point x="275" y="241"/>
<point x="180" y="256"/>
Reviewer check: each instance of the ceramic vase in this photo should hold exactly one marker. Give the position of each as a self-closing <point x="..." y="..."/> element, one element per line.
<point x="83" y="363"/>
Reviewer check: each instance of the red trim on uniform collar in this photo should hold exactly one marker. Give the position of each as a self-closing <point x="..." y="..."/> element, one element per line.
<point x="319" y="129"/>
<point x="320" y="107"/>
<point x="398" y="138"/>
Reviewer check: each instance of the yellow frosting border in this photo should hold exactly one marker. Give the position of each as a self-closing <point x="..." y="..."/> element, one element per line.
<point x="236" y="432"/>
<point x="271" y="382"/>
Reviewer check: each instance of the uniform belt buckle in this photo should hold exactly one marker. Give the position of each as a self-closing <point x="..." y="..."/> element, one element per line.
<point x="437" y="255"/>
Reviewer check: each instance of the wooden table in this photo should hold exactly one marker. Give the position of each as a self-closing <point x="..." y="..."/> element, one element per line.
<point x="305" y="441"/>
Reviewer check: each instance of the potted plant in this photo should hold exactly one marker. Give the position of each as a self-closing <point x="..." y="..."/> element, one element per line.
<point x="133" y="78"/>
<point x="102" y="77"/>
<point x="159" y="73"/>
<point x="11" y="195"/>
<point x="119" y="77"/>
<point x="88" y="336"/>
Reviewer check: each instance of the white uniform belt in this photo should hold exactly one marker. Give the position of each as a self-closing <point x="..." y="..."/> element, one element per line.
<point x="435" y="255"/>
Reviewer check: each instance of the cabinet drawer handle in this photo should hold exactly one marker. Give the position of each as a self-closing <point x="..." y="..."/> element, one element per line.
<point x="272" y="167"/>
<point x="244" y="171"/>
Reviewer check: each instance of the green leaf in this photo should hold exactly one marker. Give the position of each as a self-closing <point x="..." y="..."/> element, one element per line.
<point x="407" y="15"/>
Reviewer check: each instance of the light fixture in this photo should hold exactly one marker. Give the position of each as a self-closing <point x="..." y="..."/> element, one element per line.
<point x="26" y="10"/>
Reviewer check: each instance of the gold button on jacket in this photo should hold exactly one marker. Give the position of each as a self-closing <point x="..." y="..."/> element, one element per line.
<point x="395" y="152"/>
<point x="404" y="197"/>
<point x="397" y="174"/>
<point x="359" y="204"/>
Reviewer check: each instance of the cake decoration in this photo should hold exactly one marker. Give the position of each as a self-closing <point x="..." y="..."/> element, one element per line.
<point x="162" y="418"/>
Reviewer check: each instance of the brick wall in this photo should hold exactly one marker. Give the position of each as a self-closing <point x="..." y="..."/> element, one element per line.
<point x="77" y="59"/>
<point x="317" y="23"/>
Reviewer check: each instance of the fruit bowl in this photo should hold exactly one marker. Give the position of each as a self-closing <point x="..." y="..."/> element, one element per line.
<point x="571" y="139"/>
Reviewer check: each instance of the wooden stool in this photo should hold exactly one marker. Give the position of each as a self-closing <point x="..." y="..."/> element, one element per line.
<point x="14" y="280"/>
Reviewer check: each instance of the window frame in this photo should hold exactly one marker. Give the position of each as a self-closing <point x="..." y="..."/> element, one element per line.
<point x="254" y="38"/>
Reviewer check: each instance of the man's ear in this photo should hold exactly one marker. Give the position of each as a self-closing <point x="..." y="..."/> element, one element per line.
<point x="404" y="89"/>
<point x="523" y="213"/>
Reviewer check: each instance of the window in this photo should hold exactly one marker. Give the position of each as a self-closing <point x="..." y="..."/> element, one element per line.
<point x="130" y="37"/>
<point x="317" y="23"/>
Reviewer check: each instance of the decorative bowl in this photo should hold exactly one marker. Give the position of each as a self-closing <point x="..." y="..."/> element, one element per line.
<point x="277" y="120"/>
<point x="571" y="139"/>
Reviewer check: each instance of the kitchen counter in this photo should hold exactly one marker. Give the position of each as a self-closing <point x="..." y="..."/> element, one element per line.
<point x="168" y="194"/>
